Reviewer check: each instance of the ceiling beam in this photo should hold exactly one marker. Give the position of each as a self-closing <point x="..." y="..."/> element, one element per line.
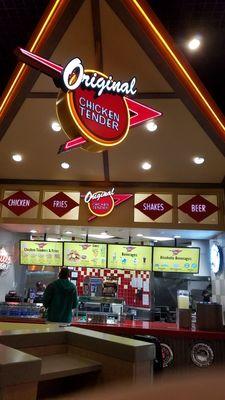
<point x="97" y="33"/>
<point x="116" y="184"/>
<point x="45" y="50"/>
<point x="142" y="36"/>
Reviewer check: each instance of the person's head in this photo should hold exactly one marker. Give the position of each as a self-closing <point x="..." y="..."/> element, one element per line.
<point x="64" y="273"/>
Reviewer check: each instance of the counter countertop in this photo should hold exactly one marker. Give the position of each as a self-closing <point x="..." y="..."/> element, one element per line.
<point x="151" y="328"/>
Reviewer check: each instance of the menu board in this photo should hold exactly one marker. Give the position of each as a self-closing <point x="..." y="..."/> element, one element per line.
<point x="129" y="257"/>
<point x="176" y="259"/>
<point x="41" y="253"/>
<point x="85" y="255"/>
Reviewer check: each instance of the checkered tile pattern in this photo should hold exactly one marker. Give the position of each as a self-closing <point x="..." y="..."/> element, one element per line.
<point x="124" y="278"/>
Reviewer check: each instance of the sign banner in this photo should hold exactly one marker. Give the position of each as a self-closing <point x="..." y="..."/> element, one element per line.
<point x="174" y="259"/>
<point x="152" y="207"/>
<point x="102" y="203"/>
<point x="41" y="253"/>
<point x="84" y="255"/>
<point x="20" y="203"/>
<point x="129" y="257"/>
<point x="93" y="108"/>
<point x="61" y="204"/>
<point x="198" y="209"/>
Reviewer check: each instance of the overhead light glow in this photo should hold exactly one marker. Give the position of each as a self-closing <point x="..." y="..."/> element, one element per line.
<point x="65" y="165"/>
<point x="194" y="43"/>
<point x="102" y="235"/>
<point x="177" y="237"/>
<point x="151" y="126"/>
<point x="158" y="238"/>
<point x="17" y="157"/>
<point x="56" y="127"/>
<point x="33" y="231"/>
<point x="146" y="165"/>
<point x="52" y="239"/>
<point x="140" y="234"/>
<point x="198" y="160"/>
<point x="68" y="233"/>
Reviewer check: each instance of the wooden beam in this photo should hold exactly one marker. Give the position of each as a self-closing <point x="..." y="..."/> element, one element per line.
<point x="105" y="155"/>
<point x="96" y="23"/>
<point x="116" y="184"/>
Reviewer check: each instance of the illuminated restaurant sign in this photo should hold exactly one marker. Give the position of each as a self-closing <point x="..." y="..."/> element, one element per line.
<point x="129" y="257"/>
<point x="5" y="260"/>
<point x="41" y="253"/>
<point x="19" y="203"/>
<point x="85" y="255"/>
<point x="93" y="108"/>
<point x="174" y="259"/>
<point x="151" y="207"/>
<point x="60" y="204"/>
<point x="198" y="208"/>
<point x="102" y="203"/>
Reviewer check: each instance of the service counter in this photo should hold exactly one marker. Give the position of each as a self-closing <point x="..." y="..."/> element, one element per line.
<point x="181" y="348"/>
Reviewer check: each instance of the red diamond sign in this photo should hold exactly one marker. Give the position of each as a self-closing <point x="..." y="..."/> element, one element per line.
<point x="19" y="203"/>
<point x="198" y="208"/>
<point x="153" y="207"/>
<point x="60" y="204"/>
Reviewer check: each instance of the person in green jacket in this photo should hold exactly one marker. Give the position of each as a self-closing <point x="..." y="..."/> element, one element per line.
<point x="60" y="297"/>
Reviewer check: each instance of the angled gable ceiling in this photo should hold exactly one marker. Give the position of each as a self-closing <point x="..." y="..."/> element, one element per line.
<point x="119" y="42"/>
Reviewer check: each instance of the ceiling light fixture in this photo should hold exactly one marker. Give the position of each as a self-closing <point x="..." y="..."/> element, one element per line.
<point x="33" y="231"/>
<point x="65" y="165"/>
<point x="151" y="126"/>
<point x="194" y="43"/>
<point x="17" y="157"/>
<point x="102" y="235"/>
<point x="198" y="160"/>
<point x="68" y="233"/>
<point x="177" y="237"/>
<point x="56" y="126"/>
<point x="158" y="238"/>
<point x="140" y="234"/>
<point x="146" y="165"/>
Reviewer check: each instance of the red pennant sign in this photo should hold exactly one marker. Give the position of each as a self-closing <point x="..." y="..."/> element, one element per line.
<point x="104" y="205"/>
<point x="19" y="203"/>
<point x="141" y="112"/>
<point x="198" y="208"/>
<point x="93" y="105"/>
<point x="60" y="204"/>
<point x="153" y="207"/>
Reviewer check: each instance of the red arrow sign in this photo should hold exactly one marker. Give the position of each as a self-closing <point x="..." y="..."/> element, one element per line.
<point x="118" y="199"/>
<point x="141" y="112"/>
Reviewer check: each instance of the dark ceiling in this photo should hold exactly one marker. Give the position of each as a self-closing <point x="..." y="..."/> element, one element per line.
<point x="182" y="19"/>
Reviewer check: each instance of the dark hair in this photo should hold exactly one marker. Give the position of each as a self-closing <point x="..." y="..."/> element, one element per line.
<point x="64" y="273"/>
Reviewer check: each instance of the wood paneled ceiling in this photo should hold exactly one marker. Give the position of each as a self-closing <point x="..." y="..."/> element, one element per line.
<point x="103" y="40"/>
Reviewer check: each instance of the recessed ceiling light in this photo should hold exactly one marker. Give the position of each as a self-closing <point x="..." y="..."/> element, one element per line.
<point x="177" y="237"/>
<point x="56" y="126"/>
<point x="151" y="126"/>
<point x="68" y="233"/>
<point x="17" y="157"/>
<point x="194" y="43"/>
<point x="65" y="165"/>
<point x="102" y="235"/>
<point x="158" y="238"/>
<point x="140" y="234"/>
<point x="146" y="165"/>
<point x="198" y="160"/>
<point x="33" y="231"/>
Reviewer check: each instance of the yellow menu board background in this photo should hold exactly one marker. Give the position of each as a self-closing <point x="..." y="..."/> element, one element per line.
<point x="41" y="253"/>
<point x="172" y="259"/>
<point x="129" y="257"/>
<point x="84" y="255"/>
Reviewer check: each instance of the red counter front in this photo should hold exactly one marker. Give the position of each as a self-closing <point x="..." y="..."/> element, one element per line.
<point x="185" y="348"/>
